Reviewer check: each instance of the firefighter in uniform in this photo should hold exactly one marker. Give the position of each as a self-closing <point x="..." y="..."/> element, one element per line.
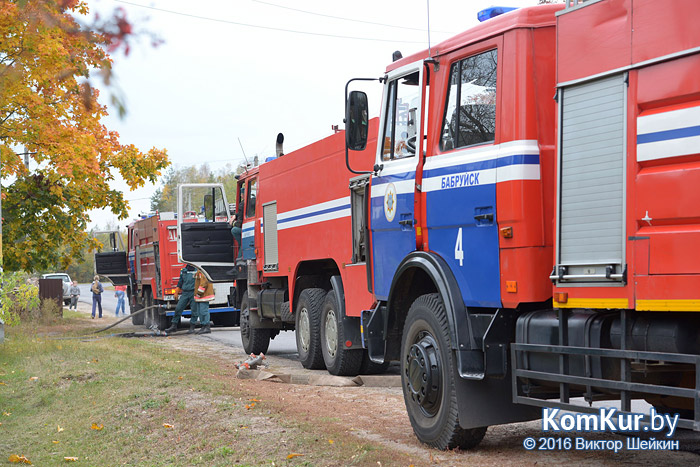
<point x="185" y="289"/>
<point x="203" y="294"/>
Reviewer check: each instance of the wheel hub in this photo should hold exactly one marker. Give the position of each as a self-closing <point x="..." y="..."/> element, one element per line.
<point x="331" y="333"/>
<point x="423" y="374"/>
<point x="304" y="329"/>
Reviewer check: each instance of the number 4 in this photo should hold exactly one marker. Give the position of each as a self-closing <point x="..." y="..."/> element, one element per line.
<point x="459" y="253"/>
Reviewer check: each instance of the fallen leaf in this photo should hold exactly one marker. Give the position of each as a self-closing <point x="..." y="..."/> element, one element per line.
<point x="95" y="426"/>
<point x="70" y="459"/>
<point x="58" y="428"/>
<point x="330" y="441"/>
<point x="55" y="442"/>
<point x="293" y="455"/>
<point x="33" y="378"/>
<point x="254" y="400"/>
<point x="19" y="459"/>
<point x="167" y="425"/>
<point x="2" y="384"/>
<point x="179" y="377"/>
<point x="7" y="414"/>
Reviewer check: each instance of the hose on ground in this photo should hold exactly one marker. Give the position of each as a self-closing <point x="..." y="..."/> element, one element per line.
<point x="125" y="318"/>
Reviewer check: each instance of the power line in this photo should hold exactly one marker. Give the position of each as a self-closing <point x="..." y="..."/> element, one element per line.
<point x="269" y="28"/>
<point x="345" y="19"/>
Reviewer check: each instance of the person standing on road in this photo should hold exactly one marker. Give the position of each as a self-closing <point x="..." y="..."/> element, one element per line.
<point x="74" y="294"/>
<point x="185" y="290"/>
<point x="120" y="292"/>
<point x="203" y="294"/>
<point x="97" y="290"/>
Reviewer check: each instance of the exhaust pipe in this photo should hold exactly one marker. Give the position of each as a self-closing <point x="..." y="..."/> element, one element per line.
<point x="278" y="147"/>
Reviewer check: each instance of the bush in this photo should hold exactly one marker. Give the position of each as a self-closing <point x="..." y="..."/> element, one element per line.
<point x="18" y="297"/>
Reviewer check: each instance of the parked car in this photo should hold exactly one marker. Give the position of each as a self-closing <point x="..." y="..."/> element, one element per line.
<point x="66" y="284"/>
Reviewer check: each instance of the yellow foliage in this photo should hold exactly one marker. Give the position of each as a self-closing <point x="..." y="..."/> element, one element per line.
<point x="14" y="458"/>
<point x="49" y="107"/>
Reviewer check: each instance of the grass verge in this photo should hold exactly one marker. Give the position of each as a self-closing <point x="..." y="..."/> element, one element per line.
<point x="128" y="401"/>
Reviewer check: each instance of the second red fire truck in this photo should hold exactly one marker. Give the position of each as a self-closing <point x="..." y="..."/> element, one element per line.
<point x="519" y="229"/>
<point x="150" y="268"/>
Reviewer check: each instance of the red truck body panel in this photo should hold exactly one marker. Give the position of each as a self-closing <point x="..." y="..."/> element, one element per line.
<point x="657" y="47"/>
<point x="310" y="187"/>
<point x="152" y="248"/>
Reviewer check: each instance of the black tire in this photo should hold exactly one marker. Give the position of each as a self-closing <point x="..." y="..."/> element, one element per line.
<point x="339" y="361"/>
<point x="427" y="377"/>
<point x="254" y="340"/>
<point x="148" y="302"/>
<point x="307" y="319"/>
<point x="163" y="321"/>
<point x="137" y="319"/>
<point x="368" y="367"/>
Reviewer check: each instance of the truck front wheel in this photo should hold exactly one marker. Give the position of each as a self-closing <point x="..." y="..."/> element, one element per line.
<point x="254" y="340"/>
<point x="427" y="377"/>
<point x="339" y="360"/>
<point x="307" y="328"/>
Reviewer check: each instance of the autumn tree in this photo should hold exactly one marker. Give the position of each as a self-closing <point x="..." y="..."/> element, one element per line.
<point x="50" y="115"/>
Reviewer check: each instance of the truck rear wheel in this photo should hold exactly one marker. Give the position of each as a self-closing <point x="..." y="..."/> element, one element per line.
<point x="254" y="340"/>
<point x="427" y="377"/>
<point x="339" y="360"/>
<point x="307" y="323"/>
<point x="162" y="321"/>
<point x="148" y="302"/>
<point x="136" y="320"/>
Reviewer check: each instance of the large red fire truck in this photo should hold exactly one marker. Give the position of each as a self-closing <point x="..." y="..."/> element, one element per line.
<point x="150" y="268"/>
<point x="520" y="231"/>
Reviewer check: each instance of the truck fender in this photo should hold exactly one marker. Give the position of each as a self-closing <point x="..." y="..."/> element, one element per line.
<point x="351" y="325"/>
<point x="470" y="357"/>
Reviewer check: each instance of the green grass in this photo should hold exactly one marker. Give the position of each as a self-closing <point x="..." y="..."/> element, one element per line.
<point x="54" y="389"/>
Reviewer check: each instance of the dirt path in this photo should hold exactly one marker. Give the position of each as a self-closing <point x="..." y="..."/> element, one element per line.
<point x="377" y="415"/>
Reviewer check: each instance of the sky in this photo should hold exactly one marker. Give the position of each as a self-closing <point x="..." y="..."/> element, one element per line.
<point x="249" y="69"/>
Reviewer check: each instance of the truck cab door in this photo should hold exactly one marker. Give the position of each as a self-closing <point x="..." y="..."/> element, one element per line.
<point x="392" y="191"/>
<point x="203" y="231"/>
<point x="113" y="263"/>
<point x="459" y="181"/>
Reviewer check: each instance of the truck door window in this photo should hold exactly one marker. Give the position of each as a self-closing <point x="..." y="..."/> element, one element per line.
<point x="252" y="195"/>
<point x="473" y="86"/>
<point x="400" y="124"/>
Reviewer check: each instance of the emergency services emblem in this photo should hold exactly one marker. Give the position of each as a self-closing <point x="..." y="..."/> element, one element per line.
<point x="390" y="202"/>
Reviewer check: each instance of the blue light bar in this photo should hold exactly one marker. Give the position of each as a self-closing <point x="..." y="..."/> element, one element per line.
<point x="493" y="11"/>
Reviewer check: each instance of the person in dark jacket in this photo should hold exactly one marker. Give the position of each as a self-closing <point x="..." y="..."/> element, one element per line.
<point x="185" y="290"/>
<point x="97" y="290"/>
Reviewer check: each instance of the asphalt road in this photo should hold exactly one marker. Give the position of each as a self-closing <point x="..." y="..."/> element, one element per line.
<point x="283" y="345"/>
<point x="109" y="301"/>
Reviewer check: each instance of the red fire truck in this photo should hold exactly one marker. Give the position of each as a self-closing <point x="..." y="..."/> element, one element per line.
<point x="150" y="269"/>
<point x="519" y="229"/>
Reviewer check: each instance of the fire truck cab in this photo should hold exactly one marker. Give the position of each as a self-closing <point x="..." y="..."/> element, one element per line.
<point x="533" y="217"/>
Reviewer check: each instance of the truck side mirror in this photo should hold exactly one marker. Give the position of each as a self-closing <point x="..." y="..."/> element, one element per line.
<point x="356" y="121"/>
